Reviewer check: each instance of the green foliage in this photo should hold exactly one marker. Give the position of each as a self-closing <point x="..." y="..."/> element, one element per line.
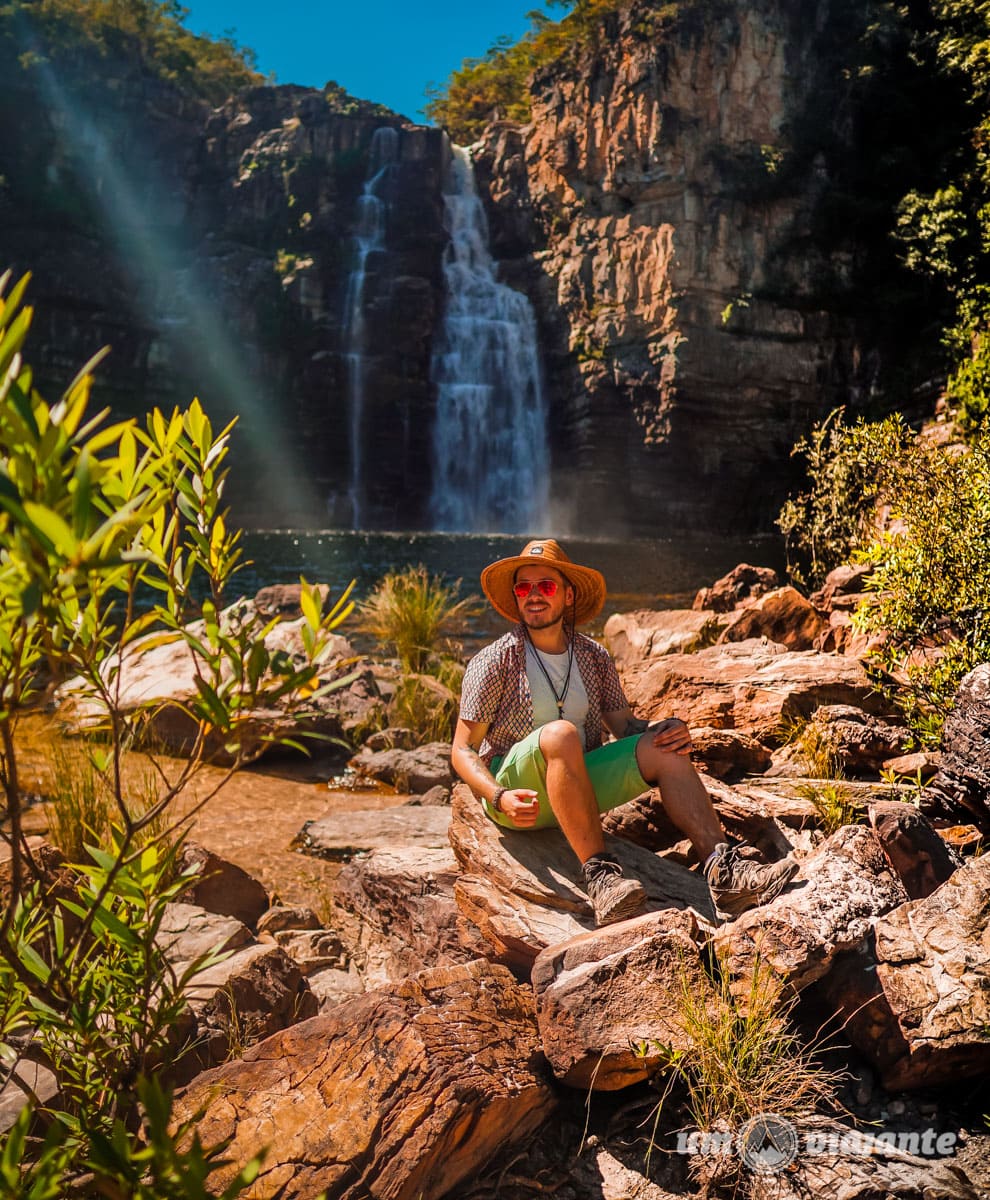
<point x="932" y="576"/>
<point x="497" y="85"/>
<point x="969" y="389"/>
<point x="149" y="32"/>
<point x="824" y="525"/>
<point x="411" y="610"/>
<point x="834" y="805"/>
<point x="95" y="517"/>
<point x="428" y="702"/>
<point x="920" y="514"/>
<point x="737" y="1054"/>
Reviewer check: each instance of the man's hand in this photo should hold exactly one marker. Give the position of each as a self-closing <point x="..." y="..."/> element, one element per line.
<point x="521" y="806"/>
<point x="672" y="735"/>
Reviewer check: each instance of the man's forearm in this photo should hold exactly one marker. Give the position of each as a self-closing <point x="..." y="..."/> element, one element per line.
<point x="470" y="766"/>
<point x="633" y="726"/>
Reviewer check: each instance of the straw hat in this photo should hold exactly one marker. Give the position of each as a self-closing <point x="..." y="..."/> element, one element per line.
<point x="589" y="584"/>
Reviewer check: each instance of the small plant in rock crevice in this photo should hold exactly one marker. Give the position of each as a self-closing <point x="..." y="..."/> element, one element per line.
<point x="740" y="1056"/>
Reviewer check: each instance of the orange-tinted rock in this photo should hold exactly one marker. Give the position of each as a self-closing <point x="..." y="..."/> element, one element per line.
<point x="743" y="585"/>
<point x="602" y="992"/>
<point x="400" y="1094"/>
<point x="782" y="616"/>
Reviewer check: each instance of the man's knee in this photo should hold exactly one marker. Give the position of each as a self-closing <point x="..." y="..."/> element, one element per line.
<point x="560" y="739"/>
<point x="655" y="764"/>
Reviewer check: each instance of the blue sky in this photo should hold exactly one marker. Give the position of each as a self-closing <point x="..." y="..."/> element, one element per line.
<point x="386" y="51"/>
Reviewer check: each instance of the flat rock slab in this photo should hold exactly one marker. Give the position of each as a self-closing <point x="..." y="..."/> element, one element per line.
<point x="917" y="994"/>
<point x="340" y="836"/>
<point x="751" y="685"/>
<point x="633" y="636"/>
<point x="400" y="1094"/>
<point x="395" y="912"/>
<point x="601" y="993"/>
<point x="829" y="907"/>
<point x="521" y="888"/>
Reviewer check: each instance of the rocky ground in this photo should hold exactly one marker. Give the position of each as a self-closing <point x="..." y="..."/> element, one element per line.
<point x="417" y="1004"/>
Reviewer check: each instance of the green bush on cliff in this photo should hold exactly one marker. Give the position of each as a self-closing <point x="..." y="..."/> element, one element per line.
<point x="919" y="512"/>
<point x="94" y="517"/>
<point x="147" y="32"/>
<point x="497" y="85"/>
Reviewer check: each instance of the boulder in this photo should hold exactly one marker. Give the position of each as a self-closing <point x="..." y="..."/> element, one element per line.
<point x="753" y="686"/>
<point x="400" y="1094"/>
<point x="436" y="797"/>
<point x="188" y="932"/>
<point x="601" y="993"/>
<point x="962" y="786"/>
<point x="829" y="906"/>
<point x="915" y="995"/>
<point x="159" y="679"/>
<point x="396" y="737"/>
<point x="313" y="950"/>
<point x="782" y="616"/>
<point x="22" y="1079"/>
<point x="341" y="836"/>
<point x="764" y="820"/>
<point x="394" y="910"/>
<point x="633" y="636"/>
<point x="255" y="992"/>
<point x="223" y="887"/>
<point x="918" y="856"/>
<point x="846" y="580"/>
<point x="333" y="986"/>
<point x="415" y="771"/>
<point x="520" y="888"/>
<point x="922" y="765"/>
<point x="280" y="917"/>
<point x="742" y="585"/>
<point x="729" y="753"/>
<point x="860" y="741"/>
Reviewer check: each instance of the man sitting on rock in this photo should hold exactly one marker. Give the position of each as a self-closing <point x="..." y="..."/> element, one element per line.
<point x="529" y="739"/>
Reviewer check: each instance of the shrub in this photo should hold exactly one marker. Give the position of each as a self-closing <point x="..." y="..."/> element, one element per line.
<point x="93" y="517"/>
<point x="920" y="514"/>
<point x="410" y="610"/>
<point x="931" y="578"/>
<point x="742" y="1056"/>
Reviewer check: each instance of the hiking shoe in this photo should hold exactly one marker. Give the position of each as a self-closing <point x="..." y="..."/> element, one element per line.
<point x="612" y="897"/>
<point x="738" y="883"/>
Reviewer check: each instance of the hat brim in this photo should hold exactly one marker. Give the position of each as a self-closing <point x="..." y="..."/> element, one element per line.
<point x="588" y="584"/>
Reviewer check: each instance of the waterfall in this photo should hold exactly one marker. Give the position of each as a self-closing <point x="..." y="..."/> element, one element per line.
<point x="369" y="239"/>
<point x="491" y="458"/>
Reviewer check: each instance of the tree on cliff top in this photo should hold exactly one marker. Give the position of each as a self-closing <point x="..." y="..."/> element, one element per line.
<point x="150" y="32"/>
<point x="497" y="85"/>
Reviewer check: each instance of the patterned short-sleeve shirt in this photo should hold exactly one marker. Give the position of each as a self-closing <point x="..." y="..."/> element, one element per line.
<point x="496" y="690"/>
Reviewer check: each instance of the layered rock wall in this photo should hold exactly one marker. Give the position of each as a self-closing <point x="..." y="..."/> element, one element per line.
<point x="661" y="208"/>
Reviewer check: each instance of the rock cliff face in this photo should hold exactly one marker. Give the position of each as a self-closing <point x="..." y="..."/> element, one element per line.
<point x="662" y="209"/>
<point x="211" y="250"/>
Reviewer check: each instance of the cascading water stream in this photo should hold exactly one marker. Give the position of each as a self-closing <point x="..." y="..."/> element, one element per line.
<point x="490" y="449"/>
<point x="369" y="239"/>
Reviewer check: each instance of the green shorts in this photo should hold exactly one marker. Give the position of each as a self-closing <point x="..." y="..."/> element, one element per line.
<point x="613" y="769"/>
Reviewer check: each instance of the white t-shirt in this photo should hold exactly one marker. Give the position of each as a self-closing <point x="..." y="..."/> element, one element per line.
<point x="544" y="701"/>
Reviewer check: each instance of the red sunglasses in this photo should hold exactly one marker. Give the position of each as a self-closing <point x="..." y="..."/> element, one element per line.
<point x="547" y="587"/>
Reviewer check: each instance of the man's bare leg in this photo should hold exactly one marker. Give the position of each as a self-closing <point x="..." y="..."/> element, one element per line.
<point x="736" y="885"/>
<point x="569" y="789"/>
<point x="573" y="802"/>
<point x="685" y="800"/>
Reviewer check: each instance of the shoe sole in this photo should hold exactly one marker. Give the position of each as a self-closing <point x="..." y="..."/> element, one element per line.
<point x="628" y="906"/>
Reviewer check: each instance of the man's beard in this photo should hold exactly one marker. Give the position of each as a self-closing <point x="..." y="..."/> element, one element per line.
<point x="541" y="620"/>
